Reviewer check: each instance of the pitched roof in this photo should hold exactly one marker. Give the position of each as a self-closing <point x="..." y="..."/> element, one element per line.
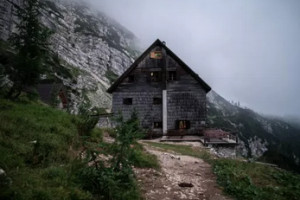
<point x="171" y="53"/>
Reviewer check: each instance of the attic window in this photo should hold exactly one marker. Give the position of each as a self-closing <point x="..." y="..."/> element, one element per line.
<point x="127" y="101"/>
<point x="157" y="124"/>
<point x="155" y="76"/>
<point x="172" y="76"/>
<point x="130" y="79"/>
<point x="156" y="55"/>
<point x="182" y="124"/>
<point x="157" y="101"/>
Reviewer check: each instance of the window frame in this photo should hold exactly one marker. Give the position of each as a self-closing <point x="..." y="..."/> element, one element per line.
<point x="174" y="78"/>
<point x="157" y="101"/>
<point x="130" y="78"/>
<point x="127" y="101"/>
<point x="155" y="76"/>
<point x="157" y="125"/>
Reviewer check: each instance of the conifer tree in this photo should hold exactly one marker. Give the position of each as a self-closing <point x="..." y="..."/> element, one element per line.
<point x="31" y="44"/>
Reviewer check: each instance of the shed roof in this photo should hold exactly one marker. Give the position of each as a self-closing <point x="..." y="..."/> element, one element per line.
<point x="171" y="53"/>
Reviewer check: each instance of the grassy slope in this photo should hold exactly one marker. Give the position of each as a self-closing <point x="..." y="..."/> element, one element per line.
<point x="35" y="143"/>
<point x="39" y="148"/>
<point x="244" y="180"/>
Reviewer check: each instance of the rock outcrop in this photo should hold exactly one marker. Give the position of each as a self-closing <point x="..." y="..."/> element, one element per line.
<point x="259" y="136"/>
<point x="95" y="48"/>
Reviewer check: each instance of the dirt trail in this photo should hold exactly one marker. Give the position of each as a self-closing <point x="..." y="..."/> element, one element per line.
<point x="175" y="169"/>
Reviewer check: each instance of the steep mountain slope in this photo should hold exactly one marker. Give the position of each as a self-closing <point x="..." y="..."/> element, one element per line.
<point x="89" y="49"/>
<point x="261" y="137"/>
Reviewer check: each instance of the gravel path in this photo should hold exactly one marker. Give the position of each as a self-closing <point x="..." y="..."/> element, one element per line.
<point x="193" y="173"/>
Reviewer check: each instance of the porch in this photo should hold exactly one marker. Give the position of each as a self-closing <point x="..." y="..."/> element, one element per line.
<point x="206" y="137"/>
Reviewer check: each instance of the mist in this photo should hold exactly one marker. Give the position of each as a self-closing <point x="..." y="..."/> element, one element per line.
<point x="247" y="51"/>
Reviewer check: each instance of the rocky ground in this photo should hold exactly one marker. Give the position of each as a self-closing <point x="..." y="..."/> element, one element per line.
<point x="180" y="177"/>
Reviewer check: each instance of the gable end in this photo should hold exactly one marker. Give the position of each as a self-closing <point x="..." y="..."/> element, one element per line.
<point x="206" y="87"/>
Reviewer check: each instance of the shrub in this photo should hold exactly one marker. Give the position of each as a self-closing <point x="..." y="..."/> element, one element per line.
<point x="87" y="119"/>
<point x="117" y="180"/>
<point x="106" y="183"/>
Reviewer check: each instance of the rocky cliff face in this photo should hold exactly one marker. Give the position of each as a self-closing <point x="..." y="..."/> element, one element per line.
<point x="91" y="47"/>
<point x="260" y="137"/>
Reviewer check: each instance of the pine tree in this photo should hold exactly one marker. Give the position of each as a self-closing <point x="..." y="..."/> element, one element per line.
<point x="31" y="45"/>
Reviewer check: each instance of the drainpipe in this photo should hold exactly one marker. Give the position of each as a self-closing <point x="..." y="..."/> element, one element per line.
<point x="164" y="94"/>
<point x="165" y="112"/>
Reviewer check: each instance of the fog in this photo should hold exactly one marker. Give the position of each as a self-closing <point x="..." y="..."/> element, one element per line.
<point x="247" y="51"/>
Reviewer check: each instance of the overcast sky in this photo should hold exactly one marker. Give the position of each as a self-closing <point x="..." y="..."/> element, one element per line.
<point x="247" y="51"/>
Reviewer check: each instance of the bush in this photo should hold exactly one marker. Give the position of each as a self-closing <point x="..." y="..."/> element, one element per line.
<point x="115" y="181"/>
<point x="111" y="132"/>
<point x="106" y="183"/>
<point x="87" y="119"/>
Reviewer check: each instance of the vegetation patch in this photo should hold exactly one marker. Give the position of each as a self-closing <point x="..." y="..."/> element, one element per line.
<point x="244" y="180"/>
<point x="255" y="181"/>
<point x="86" y="27"/>
<point x="142" y="159"/>
<point x="111" y="76"/>
<point x="45" y="156"/>
<point x="114" y="179"/>
<point x="35" y="143"/>
<point x="184" y="150"/>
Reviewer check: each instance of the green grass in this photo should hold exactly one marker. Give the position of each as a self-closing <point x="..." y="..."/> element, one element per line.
<point x="244" y="180"/>
<point x="142" y="159"/>
<point x="37" y="150"/>
<point x="255" y="181"/>
<point x="184" y="150"/>
<point x="111" y="76"/>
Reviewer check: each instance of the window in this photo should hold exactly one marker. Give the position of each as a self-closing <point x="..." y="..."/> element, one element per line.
<point x="157" y="125"/>
<point x="130" y="79"/>
<point x="182" y="124"/>
<point x="157" y="101"/>
<point x="172" y="76"/>
<point x="156" y="55"/>
<point x="127" y="101"/>
<point x="155" y="76"/>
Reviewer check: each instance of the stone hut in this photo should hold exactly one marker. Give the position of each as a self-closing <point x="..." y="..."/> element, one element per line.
<point x="169" y="97"/>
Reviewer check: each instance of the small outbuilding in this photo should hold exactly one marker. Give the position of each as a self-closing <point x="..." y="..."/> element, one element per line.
<point x="53" y="93"/>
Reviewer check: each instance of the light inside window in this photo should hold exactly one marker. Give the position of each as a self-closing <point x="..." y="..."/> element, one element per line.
<point x="157" y="125"/>
<point x="183" y="124"/>
<point x="155" y="76"/>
